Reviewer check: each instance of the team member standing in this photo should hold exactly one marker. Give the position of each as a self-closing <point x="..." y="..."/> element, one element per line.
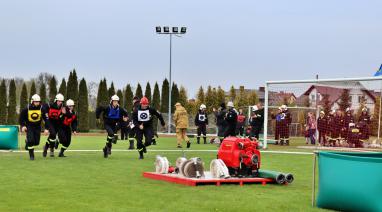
<point x="132" y="129"/>
<point x="54" y="123"/>
<point x="221" y="123"/>
<point x="348" y="118"/>
<point x="201" y="122"/>
<point x="256" y="121"/>
<point x="364" y="121"/>
<point x="277" y="118"/>
<point x="112" y="116"/>
<point x="69" y="125"/>
<point x="181" y="124"/>
<point x="143" y="121"/>
<point x="322" y="127"/>
<point x="30" y="122"/>
<point x="240" y="123"/>
<point x="285" y="121"/>
<point x="231" y="119"/>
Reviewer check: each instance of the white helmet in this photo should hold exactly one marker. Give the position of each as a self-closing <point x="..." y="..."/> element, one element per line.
<point x="35" y="98"/>
<point x="59" y="97"/>
<point x="114" y="98"/>
<point x="351" y="125"/>
<point x="284" y="107"/>
<point x="202" y="106"/>
<point x="254" y="108"/>
<point x="364" y="109"/>
<point x="230" y="104"/>
<point x="69" y="102"/>
<point x="347" y="109"/>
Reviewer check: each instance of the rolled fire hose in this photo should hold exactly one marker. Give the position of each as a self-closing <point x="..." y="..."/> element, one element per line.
<point x="161" y="165"/>
<point x="289" y="177"/>
<point x="193" y="168"/>
<point x="277" y="176"/>
<point x="178" y="164"/>
<point x="219" y="169"/>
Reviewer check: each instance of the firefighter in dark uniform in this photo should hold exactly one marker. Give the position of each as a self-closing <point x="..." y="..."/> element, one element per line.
<point x="256" y="121"/>
<point x="330" y="120"/>
<point x="112" y="116"/>
<point x="240" y="123"/>
<point x="124" y="130"/>
<point x="30" y="122"/>
<point x="336" y="126"/>
<point x="221" y="123"/>
<point x="131" y="129"/>
<point x="54" y="123"/>
<point x="322" y="127"/>
<point x="143" y="121"/>
<point x="364" y="122"/>
<point x="353" y="136"/>
<point x="201" y="122"/>
<point x="349" y="118"/>
<point x="277" y="118"/>
<point x="231" y="119"/>
<point x="285" y="121"/>
<point x="69" y="126"/>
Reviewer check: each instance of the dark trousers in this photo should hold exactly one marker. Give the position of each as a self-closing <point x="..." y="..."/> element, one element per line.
<point x="240" y="130"/>
<point x="65" y="134"/>
<point x="255" y="132"/>
<point x="33" y="136"/>
<point x="230" y="131"/>
<point x="124" y="133"/>
<point x="202" y="129"/>
<point x="148" y="133"/>
<point x="111" y="132"/>
<point x="321" y="137"/>
<point x="54" y="128"/>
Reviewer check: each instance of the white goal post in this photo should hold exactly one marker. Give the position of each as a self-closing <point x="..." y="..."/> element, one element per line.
<point x="297" y="88"/>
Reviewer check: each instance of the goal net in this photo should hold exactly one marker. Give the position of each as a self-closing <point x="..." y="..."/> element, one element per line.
<point x="323" y="112"/>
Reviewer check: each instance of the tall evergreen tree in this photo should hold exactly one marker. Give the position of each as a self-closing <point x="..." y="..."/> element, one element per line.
<point x="200" y="96"/>
<point x="241" y="100"/>
<point x="232" y="94"/>
<point x="24" y="97"/>
<point x="220" y="96"/>
<point x="148" y="91"/>
<point x="128" y="102"/>
<point x="174" y="96"/>
<point x="164" y="96"/>
<point x="83" y="107"/>
<point x="183" y="99"/>
<point x="52" y="88"/>
<point x="102" y="96"/>
<point x="209" y="99"/>
<point x="326" y="103"/>
<point x="156" y="97"/>
<point x="138" y="91"/>
<point x="33" y="90"/>
<point x="111" y="90"/>
<point x="12" y="103"/>
<point x="376" y="117"/>
<point x="120" y="95"/>
<point x="3" y="102"/>
<point x="62" y="89"/>
<point x="253" y="98"/>
<point x="72" y="86"/>
<point x="345" y="99"/>
<point x="42" y="92"/>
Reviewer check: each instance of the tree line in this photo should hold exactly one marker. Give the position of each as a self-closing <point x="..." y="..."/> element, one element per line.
<point x="16" y="94"/>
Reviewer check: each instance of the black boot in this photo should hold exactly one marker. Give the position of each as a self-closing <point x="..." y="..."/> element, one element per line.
<point x="205" y="140"/>
<point x="61" y="154"/>
<point x="198" y="140"/>
<point x="131" y="144"/>
<point x="56" y="144"/>
<point x="144" y="149"/>
<point x="115" y="139"/>
<point x="154" y="141"/>
<point x="45" y="151"/>
<point x="108" y="145"/>
<point x="105" y="154"/>
<point x="31" y="154"/>
<point x="51" y="154"/>
<point x="140" y="154"/>
<point x="188" y="144"/>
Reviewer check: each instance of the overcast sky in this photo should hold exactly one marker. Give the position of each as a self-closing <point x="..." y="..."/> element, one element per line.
<point x="228" y="42"/>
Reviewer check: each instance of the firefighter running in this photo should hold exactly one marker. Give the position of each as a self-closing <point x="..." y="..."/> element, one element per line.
<point x="54" y="123"/>
<point x="30" y="123"/>
<point x="69" y="125"/>
<point x="143" y="121"/>
<point x="201" y="122"/>
<point x="112" y="116"/>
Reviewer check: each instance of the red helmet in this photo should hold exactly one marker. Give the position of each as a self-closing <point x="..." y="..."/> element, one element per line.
<point x="144" y="101"/>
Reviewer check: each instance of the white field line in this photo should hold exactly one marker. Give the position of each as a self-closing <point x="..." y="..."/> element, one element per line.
<point x="158" y="150"/>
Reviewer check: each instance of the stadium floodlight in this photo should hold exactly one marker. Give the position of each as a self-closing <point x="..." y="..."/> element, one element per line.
<point x="175" y="31"/>
<point x="158" y="29"/>
<point x="166" y="29"/>
<point x="183" y="30"/>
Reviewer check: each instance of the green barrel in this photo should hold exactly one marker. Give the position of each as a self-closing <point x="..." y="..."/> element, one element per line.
<point x="9" y="138"/>
<point x="350" y="181"/>
<point x="277" y="176"/>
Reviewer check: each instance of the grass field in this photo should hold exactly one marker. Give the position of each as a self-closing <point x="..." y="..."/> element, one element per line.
<point x="85" y="181"/>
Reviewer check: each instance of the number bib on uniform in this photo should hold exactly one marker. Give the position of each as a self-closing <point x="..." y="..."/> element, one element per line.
<point x="202" y="117"/>
<point x="34" y="115"/>
<point x="143" y="115"/>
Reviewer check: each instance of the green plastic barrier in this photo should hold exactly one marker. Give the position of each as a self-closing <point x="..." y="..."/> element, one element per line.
<point x="9" y="138"/>
<point x="350" y="181"/>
